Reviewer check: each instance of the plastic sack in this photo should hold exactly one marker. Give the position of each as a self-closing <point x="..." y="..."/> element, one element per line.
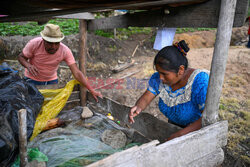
<point x="164" y="37"/>
<point x="6" y="69"/>
<point x="15" y="94"/>
<point x="55" y="100"/>
<point x="33" y="154"/>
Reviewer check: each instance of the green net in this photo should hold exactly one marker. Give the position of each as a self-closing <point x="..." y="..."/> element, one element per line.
<point x="33" y="154"/>
<point x="77" y="144"/>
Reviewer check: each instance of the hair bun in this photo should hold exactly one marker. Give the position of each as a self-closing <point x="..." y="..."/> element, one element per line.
<point x="182" y="47"/>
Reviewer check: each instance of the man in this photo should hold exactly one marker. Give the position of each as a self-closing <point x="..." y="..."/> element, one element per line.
<point x="42" y="56"/>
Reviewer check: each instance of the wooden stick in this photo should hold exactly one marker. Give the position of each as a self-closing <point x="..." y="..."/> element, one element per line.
<point x="218" y="67"/>
<point x="23" y="137"/>
<point x="125" y="76"/>
<point x="12" y="61"/>
<point x="82" y="59"/>
<point x="123" y="67"/>
<point x="135" y="50"/>
<point x="141" y="42"/>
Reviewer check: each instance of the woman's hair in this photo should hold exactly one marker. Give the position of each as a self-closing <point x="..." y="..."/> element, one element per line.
<point x="170" y="58"/>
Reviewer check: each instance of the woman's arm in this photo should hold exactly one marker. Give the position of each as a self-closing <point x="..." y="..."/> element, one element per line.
<point x="140" y="105"/>
<point x="190" y="128"/>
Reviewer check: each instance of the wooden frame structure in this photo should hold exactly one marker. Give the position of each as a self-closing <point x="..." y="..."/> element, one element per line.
<point x="199" y="148"/>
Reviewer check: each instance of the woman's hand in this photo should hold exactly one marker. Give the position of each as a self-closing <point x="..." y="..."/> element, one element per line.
<point x="95" y="94"/>
<point x="133" y="112"/>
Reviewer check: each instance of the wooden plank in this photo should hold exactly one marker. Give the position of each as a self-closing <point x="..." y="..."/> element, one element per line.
<point x="75" y="95"/>
<point x="213" y="159"/>
<point x="122" y="67"/>
<point x="82" y="56"/>
<point x="22" y="114"/>
<point x="38" y="13"/>
<point x="55" y="86"/>
<point x="52" y="86"/>
<point x="84" y="16"/>
<point x="180" y="151"/>
<point x="71" y="104"/>
<point x="118" y="80"/>
<point x="241" y="12"/>
<point x="199" y="15"/>
<point x="219" y="61"/>
<point x="125" y="158"/>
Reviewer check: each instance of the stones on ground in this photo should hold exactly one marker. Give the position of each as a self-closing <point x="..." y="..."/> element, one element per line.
<point x="114" y="138"/>
<point x="86" y="113"/>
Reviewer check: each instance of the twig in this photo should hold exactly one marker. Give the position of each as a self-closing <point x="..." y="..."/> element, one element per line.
<point x="23" y="137"/>
<point x="123" y="67"/>
<point x="89" y="54"/>
<point x="125" y="76"/>
<point x="135" y="50"/>
<point x="141" y="42"/>
<point x="12" y="61"/>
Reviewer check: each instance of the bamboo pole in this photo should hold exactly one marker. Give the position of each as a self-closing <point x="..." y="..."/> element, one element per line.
<point x="22" y="137"/>
<point x="218" y="67"/>
<point x="82" y="58"/>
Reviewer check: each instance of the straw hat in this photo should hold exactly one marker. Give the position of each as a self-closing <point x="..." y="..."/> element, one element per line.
<point x="52" y="33"/>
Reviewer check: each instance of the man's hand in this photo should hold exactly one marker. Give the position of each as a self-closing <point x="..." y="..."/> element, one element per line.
<point x="133" y="112"/>
<point x="25" y="63"/>
<point x="32" y="69"/>
<point x="95" y="94"/>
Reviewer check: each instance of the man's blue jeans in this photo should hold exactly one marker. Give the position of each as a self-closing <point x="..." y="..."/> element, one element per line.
<point x="40" y="82"/>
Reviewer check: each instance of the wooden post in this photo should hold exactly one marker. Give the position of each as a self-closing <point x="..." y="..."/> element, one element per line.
<point x="218" y="67"/>
<point x="22" y="137"/>
<point x="82" y="58"/>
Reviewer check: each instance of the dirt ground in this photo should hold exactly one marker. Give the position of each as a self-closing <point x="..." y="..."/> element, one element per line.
<point x="104" y="54"/>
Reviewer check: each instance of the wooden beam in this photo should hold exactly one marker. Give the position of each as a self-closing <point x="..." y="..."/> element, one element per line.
<point x="82" y="57"/>
<point x="241" y="12"/>
<point x="198" y="15"/>
<point x="22" y="114"/>
<point x="219" y="61"/>
<point x="31" y="16"/>
<point x="84" y="16"/>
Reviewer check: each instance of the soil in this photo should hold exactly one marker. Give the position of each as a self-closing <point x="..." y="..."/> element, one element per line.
<point x="105" y="54"/>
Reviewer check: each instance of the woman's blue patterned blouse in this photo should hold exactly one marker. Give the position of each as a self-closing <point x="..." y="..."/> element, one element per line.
<point x="182" y="106"/>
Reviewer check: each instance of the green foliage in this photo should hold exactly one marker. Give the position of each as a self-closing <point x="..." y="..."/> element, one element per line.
<point x="237" y="114"/>
<point x="183" y="30"/>
<point x="69" y="26"/>
<point x="104" y="33"/>
<point x="123" y="33"/>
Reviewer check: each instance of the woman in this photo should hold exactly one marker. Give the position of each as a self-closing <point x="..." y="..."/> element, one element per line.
<point x="182" y="90"/>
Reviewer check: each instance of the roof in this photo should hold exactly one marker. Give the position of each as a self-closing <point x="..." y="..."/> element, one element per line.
<point x="183" y="13"/>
